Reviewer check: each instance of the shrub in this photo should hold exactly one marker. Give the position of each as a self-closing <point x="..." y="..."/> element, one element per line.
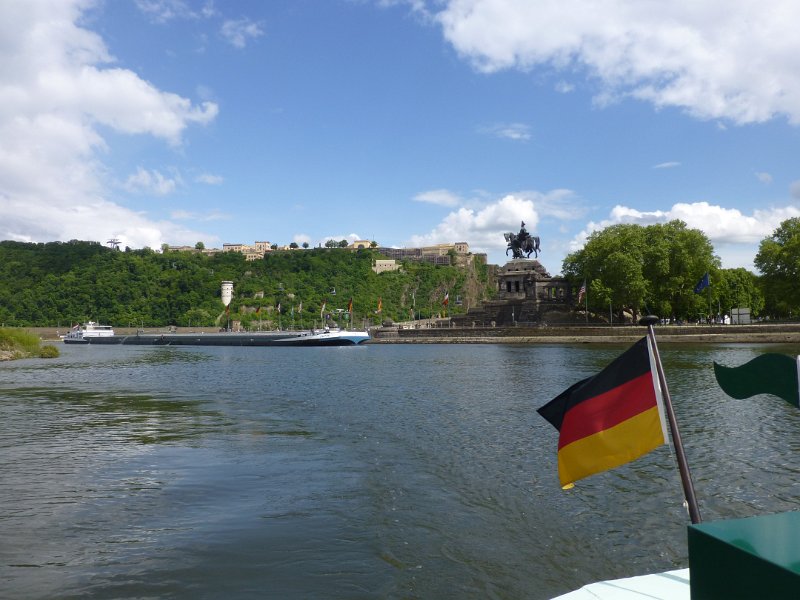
<point x="49" y="351"/>
<point x="16" y="339"/>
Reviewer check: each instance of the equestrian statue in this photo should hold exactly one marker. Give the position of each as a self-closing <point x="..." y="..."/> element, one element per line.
<point x="522" y="243"/>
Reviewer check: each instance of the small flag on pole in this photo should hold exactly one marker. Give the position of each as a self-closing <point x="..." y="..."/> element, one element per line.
<point x="702" y="284"/>
<point x="350" y="305"/>
<point x="609" y="419"/>
<point x="446" y="300"/>
<point x="380" y="305"/>
<point x="775" y="374"/>
<point x="582" y="292"/>
<point x="322" y="310"/>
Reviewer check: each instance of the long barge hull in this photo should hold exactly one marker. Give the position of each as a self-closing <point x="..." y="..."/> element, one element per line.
<point x="347" y="338"/>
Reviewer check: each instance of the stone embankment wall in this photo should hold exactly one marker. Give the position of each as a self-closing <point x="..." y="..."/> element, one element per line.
<point x="766" y="333"/>
<point x="779" y="333"/>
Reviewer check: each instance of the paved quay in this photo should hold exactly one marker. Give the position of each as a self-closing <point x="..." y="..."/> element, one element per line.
<point x="783" y="333"/>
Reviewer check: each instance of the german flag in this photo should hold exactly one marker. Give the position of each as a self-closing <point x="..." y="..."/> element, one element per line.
<point x="609" y="419"/>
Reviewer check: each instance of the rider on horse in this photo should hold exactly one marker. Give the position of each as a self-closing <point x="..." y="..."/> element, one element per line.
<point x="523" y="242"/>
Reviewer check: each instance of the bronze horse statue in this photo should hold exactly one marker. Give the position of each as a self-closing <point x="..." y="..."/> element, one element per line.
<point x="522" y="243"/>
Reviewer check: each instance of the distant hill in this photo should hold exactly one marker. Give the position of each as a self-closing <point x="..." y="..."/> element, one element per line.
<point x="60" y="283"/>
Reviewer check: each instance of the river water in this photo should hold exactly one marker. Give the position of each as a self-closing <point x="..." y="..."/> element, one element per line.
<point x="381" y="471"/>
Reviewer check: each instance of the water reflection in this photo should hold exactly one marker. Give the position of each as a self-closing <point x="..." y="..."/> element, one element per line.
<point x="382" y="471"/>
<point x="139" y="418"/>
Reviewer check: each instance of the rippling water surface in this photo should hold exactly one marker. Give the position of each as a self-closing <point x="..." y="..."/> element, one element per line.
<point x="368" y="472"/>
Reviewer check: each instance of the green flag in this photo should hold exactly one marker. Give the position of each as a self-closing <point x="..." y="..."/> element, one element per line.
<point x="775" y="374"/>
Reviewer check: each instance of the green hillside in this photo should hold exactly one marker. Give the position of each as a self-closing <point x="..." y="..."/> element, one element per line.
<point x="59" y="283"/>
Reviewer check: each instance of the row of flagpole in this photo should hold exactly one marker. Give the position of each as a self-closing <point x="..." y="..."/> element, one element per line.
<point x="704" y="283"/>
<point x="378" y="311"/>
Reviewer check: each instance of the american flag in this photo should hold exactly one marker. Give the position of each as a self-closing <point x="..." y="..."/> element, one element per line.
<point x="582" y="292"/>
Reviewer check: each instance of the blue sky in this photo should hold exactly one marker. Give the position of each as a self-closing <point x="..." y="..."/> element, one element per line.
<point x="406" y="122"/>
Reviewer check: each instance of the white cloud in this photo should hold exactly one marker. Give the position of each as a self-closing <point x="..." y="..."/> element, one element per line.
<point x="440" y="197"/>
<point x="483" y="227"/>
<point x="302" y="238"/>
<point x="209" y="179"/>
<point x="764" y="177"/>
<point x="238" y="32"/>
<point x="162" y="11"/>
<point x="151" y="182"/>
<point x="564" y="87"/>
<point x="667" y="165"/>
<point x="185" y="215"/>
<point x="55" y="91"/>
<point x="719" y="59"/>
<point x="509" y="131"/>
<point x="732" y="233"/>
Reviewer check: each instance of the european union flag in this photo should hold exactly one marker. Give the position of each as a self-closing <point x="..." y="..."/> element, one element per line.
<point x="702" y="284"/>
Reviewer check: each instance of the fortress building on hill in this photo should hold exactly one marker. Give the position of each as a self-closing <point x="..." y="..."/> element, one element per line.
<point x="254" y="252"/>
<point x="439" y="254"/>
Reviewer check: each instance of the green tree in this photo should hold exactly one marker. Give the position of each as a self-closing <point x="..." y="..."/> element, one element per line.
<point x="778" y="259"/>
<point x="738" y="288"/>
<point x="611" y="262"/>
<point x="635" y="269"/>
<point x="200" y="246"/>
<point x="676" y="257"/>
<point x="66" y="283"/>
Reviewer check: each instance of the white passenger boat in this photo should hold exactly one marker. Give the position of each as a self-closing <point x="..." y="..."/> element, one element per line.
<point x="88" y="332"/>
<point x="329" y="336"/>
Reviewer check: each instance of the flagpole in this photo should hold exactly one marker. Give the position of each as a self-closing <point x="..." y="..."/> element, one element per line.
<point x="586" y="300"/>
<point x="683" y="465"/>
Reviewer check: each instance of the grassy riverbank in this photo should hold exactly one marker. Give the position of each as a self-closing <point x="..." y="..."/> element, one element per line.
<point x="17" y="343"/>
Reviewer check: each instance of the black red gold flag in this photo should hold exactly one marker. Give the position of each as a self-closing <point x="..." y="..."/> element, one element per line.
<point x="611" y="418"/>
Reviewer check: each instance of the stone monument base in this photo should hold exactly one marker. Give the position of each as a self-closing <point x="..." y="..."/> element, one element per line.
<point x="526" y="294"/>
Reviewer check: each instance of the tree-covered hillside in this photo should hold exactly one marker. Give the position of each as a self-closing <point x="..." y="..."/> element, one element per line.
<point x="59" y="283"/>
